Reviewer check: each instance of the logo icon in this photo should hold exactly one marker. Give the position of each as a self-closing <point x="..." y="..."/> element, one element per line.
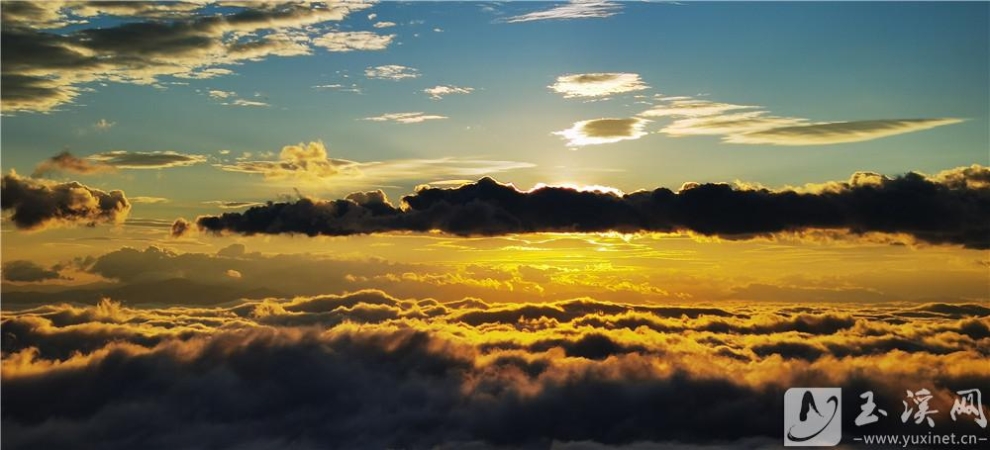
<point x="812" y="417"/>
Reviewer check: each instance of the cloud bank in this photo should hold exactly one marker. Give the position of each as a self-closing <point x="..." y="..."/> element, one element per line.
<point x="369" y="370"/>
<point x="927" y="209"/>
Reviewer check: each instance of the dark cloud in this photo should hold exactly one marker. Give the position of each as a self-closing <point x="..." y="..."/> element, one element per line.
<point x="66" y="162"/>
<point x="44" y="64"/>
<point x="369" y="370"/>
<point x="924" y="208"/>
<point x="28" y="271"/>
<point x="38" y="204"/>
<point x="121" y="159"/>
<point x="180" y="227"/>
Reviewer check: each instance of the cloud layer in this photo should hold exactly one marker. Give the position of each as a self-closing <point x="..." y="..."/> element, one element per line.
<point x="38" y="204"/>
<point x="929" y="210"/>
<point x="45" y="66"/>
<point x="368" y="370"/>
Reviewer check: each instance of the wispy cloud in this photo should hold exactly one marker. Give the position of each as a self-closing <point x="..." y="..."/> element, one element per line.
<point x="405" y="117"/>
<point x="230" y="98"/>
<point x="438" y="92"/>
<point x="312" y="162"/>
<point x="392" y="72"/>
<point x="746" y="124"/>
<point x="104" y="125"/>
<point x="346" y="41"/>
<point x="603" y="131"/>
<point x="149" y="200"/>
<point x="230" y="205"/>
<point x="597" y="84"/>
<point x="838" y="132"/>
<point x="352" y="88"/>
<point x="574" y="9"/>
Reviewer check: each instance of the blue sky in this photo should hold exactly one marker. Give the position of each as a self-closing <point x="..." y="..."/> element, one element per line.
<point x="823" y="62"/>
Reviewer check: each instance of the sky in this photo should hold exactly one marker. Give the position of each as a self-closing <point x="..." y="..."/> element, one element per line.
<point x="539" y="200"/>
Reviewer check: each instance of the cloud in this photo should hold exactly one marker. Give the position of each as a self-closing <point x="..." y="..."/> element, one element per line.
<point x="243" y="102"/>
<point x="742" y="124"/>
<point x="346" y="41"/>
<point x="392" y="72"/>
<point x="837" y="132"/>
<point x="311" y="162"/>
<point x="39" y="204"/>
<point x="122" y="159"/>
<point x="438" y="92"/>
<point x="218" y="94"/>
<point x="384" y="24"/>
<point x="920" y="207"/>
<point x="45" y="66"/>
<point x="590" y="85"/>
<point x="231" y="205"/>
<point x="367" y="369"/>
<point x="66" y="162"/>
<point x="103" y="124"/>
<point x="149" y="200"/>
<point x="574" y="9"/>
<point x="27" y="271"/>
<point x="230" y="98"/>
<point x="353" y="87"/>
<point x="406" y="117"/>
<point x="302" y="160"/>
<point x="111" y="161"/>
<point x="689" y="107"/>
<point x="603" y="131"/>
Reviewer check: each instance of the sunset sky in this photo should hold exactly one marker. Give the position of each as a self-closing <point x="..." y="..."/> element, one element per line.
<point x="721" y="198"/>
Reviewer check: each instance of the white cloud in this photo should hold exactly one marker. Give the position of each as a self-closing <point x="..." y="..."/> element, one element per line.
<point x="691" y="108"/>
<point x="574" y="9"/>
<point x="406" y="117"/>
<point x="603" y="131"/>
<point x="218" y="94"/>
<point x="597" y="84"/>
<point x="353" y="88"/>
<point x="346" y="41"/>
<point x="243" y="102"/>
<point x="384" y="24"/>
<point x="393" y="72"/>
<point x="437" y="92"/>
<point x="372" y="16"/>
<point x="694" y="117"/>
<point x="103" y="124"/>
